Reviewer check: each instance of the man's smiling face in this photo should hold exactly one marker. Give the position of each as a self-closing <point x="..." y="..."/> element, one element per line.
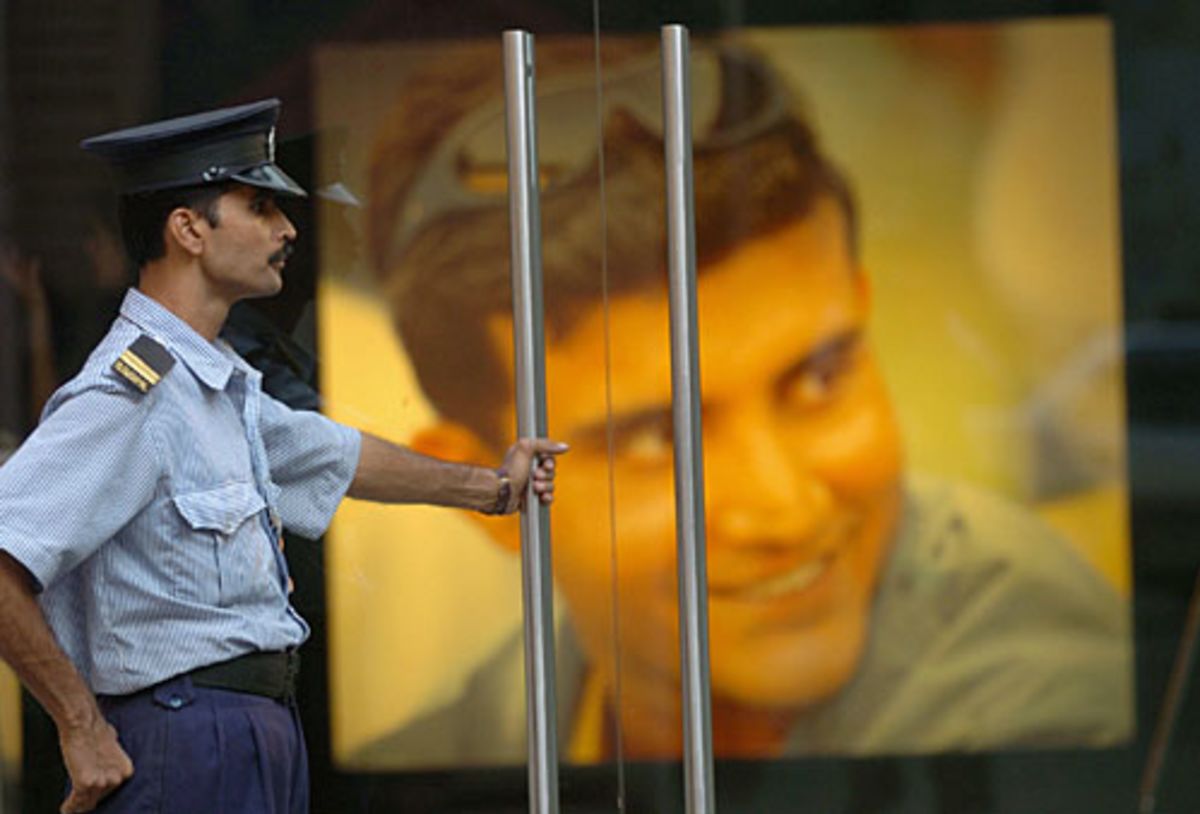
<point x="802" y="468"/>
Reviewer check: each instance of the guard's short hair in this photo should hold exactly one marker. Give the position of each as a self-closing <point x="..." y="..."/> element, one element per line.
<point x="143" y="217"/>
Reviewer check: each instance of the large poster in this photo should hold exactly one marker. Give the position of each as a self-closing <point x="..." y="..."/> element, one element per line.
<point x="910" y="332"/>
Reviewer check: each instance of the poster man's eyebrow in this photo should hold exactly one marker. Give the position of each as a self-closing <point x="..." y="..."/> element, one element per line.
<point x="827" y="352"/>
<point x="624" y="423"/>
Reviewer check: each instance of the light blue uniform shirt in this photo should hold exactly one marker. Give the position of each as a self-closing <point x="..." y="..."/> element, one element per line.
<point x="150" y="519"/>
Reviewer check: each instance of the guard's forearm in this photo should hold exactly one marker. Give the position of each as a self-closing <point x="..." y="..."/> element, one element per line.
<point x="28" y="646"/>
<point x="389" y="473"/>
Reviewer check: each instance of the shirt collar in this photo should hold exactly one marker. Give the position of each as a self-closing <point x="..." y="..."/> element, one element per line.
<point x="211" y="362"/>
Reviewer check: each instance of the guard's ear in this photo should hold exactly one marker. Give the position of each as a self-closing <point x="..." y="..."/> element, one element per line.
<point x="452" y="441"/>
<point x="185" y="228"/>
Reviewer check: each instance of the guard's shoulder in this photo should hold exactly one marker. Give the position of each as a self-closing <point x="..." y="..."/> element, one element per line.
<point x="144" y="363"/>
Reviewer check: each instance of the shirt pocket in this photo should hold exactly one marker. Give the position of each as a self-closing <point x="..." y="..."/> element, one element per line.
<point x="228" y="555"/>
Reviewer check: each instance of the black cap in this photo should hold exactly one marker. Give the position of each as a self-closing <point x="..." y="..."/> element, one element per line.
<point x="231" y="144"/>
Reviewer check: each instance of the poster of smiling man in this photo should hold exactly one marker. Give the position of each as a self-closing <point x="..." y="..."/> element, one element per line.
<point x="910" y="331"/>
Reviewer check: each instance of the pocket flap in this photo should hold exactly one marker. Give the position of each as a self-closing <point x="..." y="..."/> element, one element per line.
<point x="221" y="509"/>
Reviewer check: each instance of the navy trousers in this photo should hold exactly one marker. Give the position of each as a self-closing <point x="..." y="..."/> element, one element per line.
<point x="197" y="750"/>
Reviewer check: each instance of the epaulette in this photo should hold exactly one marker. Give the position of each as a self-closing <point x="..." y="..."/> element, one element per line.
<point x="144" y="363"/>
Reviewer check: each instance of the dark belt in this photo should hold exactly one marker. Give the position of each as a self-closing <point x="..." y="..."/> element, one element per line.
<point x="268" y="674"/>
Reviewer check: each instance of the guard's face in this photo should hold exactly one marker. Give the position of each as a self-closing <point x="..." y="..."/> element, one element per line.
<point x="243" y="254"/>
<point x="802" y="467"/>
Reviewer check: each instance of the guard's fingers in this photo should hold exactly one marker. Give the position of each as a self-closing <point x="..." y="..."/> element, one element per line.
<point x="88" y="795"/>
<point x="86" y="799"/>
<point x="76" y="803"/>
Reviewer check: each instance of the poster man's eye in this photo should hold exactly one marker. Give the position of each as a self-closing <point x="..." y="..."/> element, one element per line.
<point x="812" y="388"/>
<point x="816" y="380"/>
<point x="645" y="439"/>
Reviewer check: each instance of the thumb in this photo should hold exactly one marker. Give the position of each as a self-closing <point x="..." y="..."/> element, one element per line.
<point x="544" y="446"/>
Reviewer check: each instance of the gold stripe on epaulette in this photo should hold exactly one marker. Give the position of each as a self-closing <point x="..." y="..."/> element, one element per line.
<point x="134" y="361"/>
<point x="132" y="375"/>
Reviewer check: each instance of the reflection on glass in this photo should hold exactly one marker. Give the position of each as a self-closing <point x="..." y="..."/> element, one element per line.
<point x="914" y="462"/>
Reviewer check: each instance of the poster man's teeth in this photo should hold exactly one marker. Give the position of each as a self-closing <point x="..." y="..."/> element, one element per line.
<point x="793" y="581"/>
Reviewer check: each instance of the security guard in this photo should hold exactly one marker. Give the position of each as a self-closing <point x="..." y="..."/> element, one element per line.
<point x="143" y="596"/>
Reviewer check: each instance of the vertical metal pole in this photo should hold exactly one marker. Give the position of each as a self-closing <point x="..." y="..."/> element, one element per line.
<point x="685" y="400"/>
<point x="530" y="364"/>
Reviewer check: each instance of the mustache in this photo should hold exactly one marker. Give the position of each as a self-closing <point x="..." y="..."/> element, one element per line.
<point x="286" y="251"/>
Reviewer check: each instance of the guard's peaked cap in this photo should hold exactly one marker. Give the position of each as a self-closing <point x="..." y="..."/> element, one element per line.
<point x="230" y="144"/>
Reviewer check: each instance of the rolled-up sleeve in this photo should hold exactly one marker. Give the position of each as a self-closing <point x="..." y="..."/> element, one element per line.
<point x="84" y="473"/>
<point x="312" y="461"/>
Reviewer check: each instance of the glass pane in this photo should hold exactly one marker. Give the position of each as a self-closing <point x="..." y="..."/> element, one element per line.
<point x="434" y="681"/>
<point x="427" y="658"/>
<point x="914" y="355"/>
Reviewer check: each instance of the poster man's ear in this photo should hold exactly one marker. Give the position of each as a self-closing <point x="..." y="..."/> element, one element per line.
<point x="454" y="442"/>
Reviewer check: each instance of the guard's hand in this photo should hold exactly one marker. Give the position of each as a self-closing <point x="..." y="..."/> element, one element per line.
<point x="95" y="762"/>
<point x="531" y="458"/>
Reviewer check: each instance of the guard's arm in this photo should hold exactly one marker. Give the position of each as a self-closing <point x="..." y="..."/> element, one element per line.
<point x="390" y="473"/>
<point x="95" y="760"/>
